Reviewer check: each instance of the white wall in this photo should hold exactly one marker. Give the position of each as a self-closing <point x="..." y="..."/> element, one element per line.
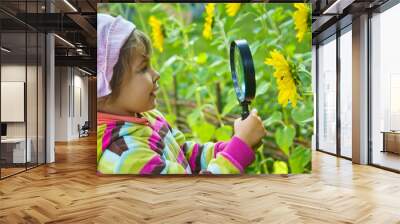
<point x="34" y="125"/>
<point x="70" y="83"/>
<point x="80" y="100"/>
<point x="61" y="103"/>
<point x="12" y="73"/>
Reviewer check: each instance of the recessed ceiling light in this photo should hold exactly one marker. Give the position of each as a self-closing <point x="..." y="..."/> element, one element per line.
<point x="64" y="40"/>
<point x="70" y="5"/>
<point x="84" y="71"/>
<point x="5" y="50"/>
<point x="337" y="7"/>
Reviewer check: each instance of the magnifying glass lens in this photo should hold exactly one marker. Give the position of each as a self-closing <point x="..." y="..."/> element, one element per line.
<point x="242" y="69"/>
<point x="239" y="70"/>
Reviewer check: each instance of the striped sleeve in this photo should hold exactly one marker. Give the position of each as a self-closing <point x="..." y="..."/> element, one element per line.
<point x="218" y="158"/>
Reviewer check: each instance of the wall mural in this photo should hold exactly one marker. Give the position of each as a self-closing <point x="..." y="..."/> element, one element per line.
<point x="216" y="88"/>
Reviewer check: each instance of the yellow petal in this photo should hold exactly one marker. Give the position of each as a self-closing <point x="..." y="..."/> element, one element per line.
<point x="232" y="8"/>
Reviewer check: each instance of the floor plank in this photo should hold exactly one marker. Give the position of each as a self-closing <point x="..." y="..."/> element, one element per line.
<point x="69" y="191"/>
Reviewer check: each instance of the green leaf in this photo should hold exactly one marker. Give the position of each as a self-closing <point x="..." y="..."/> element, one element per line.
<point x="231" y="103"/>
<point x="193" y="117"/>
<point x="204" y="131"/>
<point x="304" y="75"/>
<point x="302" y="114"/>
<point x="255" y="46"/>
<point x="280" y="167"/>
<point x="274" y="118"/>
<point x="262" y="88"/>
<point x="168" y="63"/>
<point x="154" y="8"/>
<point x="270" y="164"/>
<point x="278" y="15"/>
<point x="171" y="118"/>
<point x="216" y="63"/>
<point x="240" y="18"/>
<point x="202" y="58"/>
<point x="223" y="133"/>
<point x="232" y="31"/>
<point x="284" y="138"/>
<point x="299" y="159"/>
<point x="290" y="49"/>
<point x="228" y="107"/>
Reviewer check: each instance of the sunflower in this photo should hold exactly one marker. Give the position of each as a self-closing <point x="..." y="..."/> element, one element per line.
<point x="284" y="79"/>
<point x="156" y="33"/>
<point x="301" y="19"/>
<point x="232" y="8"/>
<point x="207" y="31"/>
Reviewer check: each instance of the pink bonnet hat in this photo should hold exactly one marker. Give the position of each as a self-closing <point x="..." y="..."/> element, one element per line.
<point x="112" y="32"/>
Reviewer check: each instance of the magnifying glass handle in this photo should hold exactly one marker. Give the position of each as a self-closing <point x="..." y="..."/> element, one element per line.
<point x="245" y="111"/>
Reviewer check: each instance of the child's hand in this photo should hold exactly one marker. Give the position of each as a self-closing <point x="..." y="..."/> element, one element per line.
<point x="250" y="130"/>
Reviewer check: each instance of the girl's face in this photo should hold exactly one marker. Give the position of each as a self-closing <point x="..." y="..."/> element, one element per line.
<point x="138" y="91"/>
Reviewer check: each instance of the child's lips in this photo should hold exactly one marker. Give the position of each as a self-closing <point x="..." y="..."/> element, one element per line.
<point x="154" y="92"/>
<point x="156" y="89"/>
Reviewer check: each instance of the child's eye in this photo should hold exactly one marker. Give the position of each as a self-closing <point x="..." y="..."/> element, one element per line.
<point x="145" y="68"/>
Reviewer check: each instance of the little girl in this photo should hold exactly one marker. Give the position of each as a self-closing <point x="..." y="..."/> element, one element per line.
<point x="133" y="137"/>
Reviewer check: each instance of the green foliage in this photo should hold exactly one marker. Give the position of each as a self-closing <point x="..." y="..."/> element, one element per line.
<point x="204" y="131"/>
<point x="302" y="114"/>
<point x="284" y="138"/>
<point x="276" y="117"/>
<point x="223" y="133"/>
<point x="299" y="159"/>
<point x="280" y="167"/>
<point x="203" y="90"/>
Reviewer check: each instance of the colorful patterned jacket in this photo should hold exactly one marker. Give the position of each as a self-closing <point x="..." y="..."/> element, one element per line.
<point x="148" y="145"/>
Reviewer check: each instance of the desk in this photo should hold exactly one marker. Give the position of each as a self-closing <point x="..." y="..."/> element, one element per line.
<point x="13" y="150"/>
<point x="391" y="141"/>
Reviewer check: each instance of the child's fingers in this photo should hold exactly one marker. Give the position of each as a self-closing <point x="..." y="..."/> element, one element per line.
<point x="254" y="112"/>
<point x="237" y="121"/>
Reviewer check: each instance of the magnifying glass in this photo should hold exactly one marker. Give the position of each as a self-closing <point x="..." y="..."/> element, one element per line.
<point x="242" y="69"/>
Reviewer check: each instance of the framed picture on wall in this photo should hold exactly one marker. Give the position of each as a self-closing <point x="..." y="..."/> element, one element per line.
<point x="12" y="101"/>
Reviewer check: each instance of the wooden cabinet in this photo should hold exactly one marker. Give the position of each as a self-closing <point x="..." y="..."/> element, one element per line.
<point x="13" y="152"/>
<point x="391" y="142"/>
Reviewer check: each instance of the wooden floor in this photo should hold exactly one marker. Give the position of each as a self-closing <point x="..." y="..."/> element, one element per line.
<point x="69" y="191"/>
<point x="10" y="171"/>
<point x="387" y="159"/>
<point x="5" y="172"/>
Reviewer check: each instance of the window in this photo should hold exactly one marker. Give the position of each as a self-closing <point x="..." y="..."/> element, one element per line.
<point x="346" y="92"/>
<point x="385" y="89"/>
<point x="23" y="85"/>
<point x="327" y="96"/>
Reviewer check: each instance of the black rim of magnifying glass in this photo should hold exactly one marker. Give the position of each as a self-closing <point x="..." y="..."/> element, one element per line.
<point x="248" y="67"/>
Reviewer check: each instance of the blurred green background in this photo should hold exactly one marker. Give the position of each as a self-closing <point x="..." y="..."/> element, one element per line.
<point x="197" y="94"/>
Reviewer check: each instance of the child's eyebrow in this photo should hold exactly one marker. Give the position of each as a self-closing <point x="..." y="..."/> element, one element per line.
<point x="145" y="60"/>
